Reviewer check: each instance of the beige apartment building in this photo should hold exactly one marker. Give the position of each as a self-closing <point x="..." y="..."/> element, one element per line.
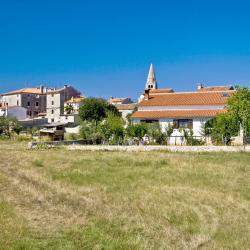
<point x="55" y="104"/>
<point x="33" y="99"/>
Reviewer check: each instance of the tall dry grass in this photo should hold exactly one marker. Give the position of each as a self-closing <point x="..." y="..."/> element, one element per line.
<point x="59" y="199"/>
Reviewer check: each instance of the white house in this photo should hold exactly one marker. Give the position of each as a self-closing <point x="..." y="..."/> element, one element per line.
<point x="20" y="113"/>
<point x="183" y="110"/>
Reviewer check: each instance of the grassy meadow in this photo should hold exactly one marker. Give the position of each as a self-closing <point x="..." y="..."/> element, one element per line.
<point x="59" y="199"/>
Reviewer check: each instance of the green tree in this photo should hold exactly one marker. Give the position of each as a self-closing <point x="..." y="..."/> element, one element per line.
<point x="155" y="133"/>
<point x="96" y="110"/>
<point x="69" y="109"/>
<point x="239" y="108"/>
<point x="222" y="128"/>
<point x="112" y="128"/>
<point x="9" y="125"/>
<point x="137" y="131"/>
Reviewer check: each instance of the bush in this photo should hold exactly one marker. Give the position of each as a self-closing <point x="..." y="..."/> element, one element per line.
<point x="137" y="131"/>
<point x="155" y="134"/>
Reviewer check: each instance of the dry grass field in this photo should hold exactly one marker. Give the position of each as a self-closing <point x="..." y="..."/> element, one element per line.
<point x="59" y="199"/>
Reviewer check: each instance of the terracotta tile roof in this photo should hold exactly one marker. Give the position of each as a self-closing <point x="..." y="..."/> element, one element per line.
<point x="114" y="100"/>
<point x="75" y="100"/>
<point x="176" y="114"/>
<point x="188" y="98"/>
<point x="161" y="91"/>
<point x="25" y="91"/>
<point x="130" y="106"/>
<point x="216" y="88"/>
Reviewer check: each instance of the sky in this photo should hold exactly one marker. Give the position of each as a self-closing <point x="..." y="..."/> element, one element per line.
<point x="104" y="48"/>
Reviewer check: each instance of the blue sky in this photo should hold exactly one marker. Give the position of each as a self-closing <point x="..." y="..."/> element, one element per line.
<point x="104" y="48"/>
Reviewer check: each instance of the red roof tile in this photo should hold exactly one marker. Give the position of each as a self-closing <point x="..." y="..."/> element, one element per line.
<point x="187" y="98"/>
<point x="176" y="114"/>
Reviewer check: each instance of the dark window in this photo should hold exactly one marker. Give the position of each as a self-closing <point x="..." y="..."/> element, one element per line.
<point x="28" y="104"/>
<point x="37" y="104"/>
<point x="17" y="103"/>
<point x="52" y="120"/>
<point x="149" y="121"/>
<point x="52" y="103"/>
<point x="52" y="111"/>
<point x="183" y="123"/>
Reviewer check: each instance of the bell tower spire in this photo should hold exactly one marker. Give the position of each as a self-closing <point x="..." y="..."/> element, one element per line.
<point x="151" y="81"/>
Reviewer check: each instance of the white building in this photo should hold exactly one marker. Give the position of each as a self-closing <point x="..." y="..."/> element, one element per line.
<point x="75" y="103"/>
<point x="55" y="103"/>
<point x="20" y="113"/>
<point x="182" y="110"/>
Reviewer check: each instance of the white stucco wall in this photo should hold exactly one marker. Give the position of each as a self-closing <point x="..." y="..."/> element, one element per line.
<point x="197" y="125"/>
<point x="19" y="113"/>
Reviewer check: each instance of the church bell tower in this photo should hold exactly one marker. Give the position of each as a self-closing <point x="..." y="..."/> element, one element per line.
<point x="151" y="81"/>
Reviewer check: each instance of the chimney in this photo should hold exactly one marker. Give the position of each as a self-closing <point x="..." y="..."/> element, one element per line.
<point x="41" y="89"/>
<point x="146" y="94"/>
<point x="200" y="86"/>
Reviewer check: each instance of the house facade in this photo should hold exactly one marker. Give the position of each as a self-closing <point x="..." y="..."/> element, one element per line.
<point x="55" y="103"/>
<point x="32" y="99"/>
<point x="125" y="105"/>
<point x="16" y="112"/>
<point x="182" y="110"/>
<point x="75" y="103"/>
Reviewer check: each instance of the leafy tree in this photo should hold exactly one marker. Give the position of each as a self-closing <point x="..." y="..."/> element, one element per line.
<point x="96" y="110"/>
<point x="90" y="133"/>
<point x="226" y="125"/>
<point x="69" y="109"/>
<point x="239" y="108"/>
<point x="8" y="125"/>
<point x="137" y="130"/>
<point x="222" y="128"/>
<point x="155" y="133"/>
<point x="112" y="128"/>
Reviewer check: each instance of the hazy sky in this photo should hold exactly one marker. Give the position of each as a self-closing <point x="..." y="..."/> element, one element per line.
<point x="104" y="48"/>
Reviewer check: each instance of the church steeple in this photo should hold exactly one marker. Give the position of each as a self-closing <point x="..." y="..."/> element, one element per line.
<point x="151" y="81"/>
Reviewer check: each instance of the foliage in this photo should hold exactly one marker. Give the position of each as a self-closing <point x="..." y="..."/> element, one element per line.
<point x="9" y="125"/>
<point x="137" y="131"/>
<point x="169" y="130"/>
<point x="239" y="108"/>
<point x="71" y="136"/>
<point x="112" y="129"/>
<point x="69" y="109"/>
<point x="190" y="139"/>
<point x="155" y="133"/>
<point x="32" y="130"/>
<point x="96" y="110"/>
<point x="224" y="126"/>
<point x="90" y="132"/>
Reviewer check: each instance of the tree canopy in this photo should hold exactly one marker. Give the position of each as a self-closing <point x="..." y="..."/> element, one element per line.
<point x="226" y="125"/>
<point x="94" y="109"/>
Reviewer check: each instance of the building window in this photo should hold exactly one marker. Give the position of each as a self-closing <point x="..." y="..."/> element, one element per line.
<point x="150" y="121"/>
<point x="17" y="103"/>
<point x="52" y="102"/>
<point x="52" y="111"/>
<point x="37" y="104"/>
<point x="183" y="123"/>
<point x="28" y="104"/>
<point x="52" y="95"/>
<point x="52" y="120"/>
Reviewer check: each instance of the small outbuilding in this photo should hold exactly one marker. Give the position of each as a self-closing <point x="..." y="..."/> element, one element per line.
<point x="54" y="131"/>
